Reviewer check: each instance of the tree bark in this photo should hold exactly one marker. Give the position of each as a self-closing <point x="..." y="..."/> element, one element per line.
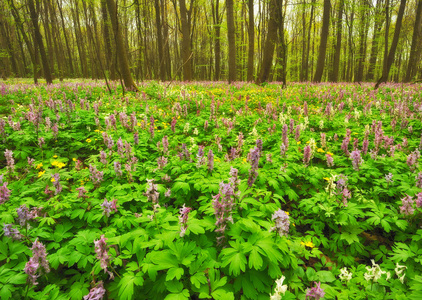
<point x="39" y="42"/>
<point x="336" y="62"/>
<point x="231" y="40"/>
<point x="251" y="41"/>
<point x="362" y="43"/>
<point x="391" y="54"/>
<point x="158" y="25"/>
<point x="186" y="42"/>
<point x="374" y="48"/>
<point x="323" y="43"/>
<point x="120" y="47"/>
<point x="413" y="58"/>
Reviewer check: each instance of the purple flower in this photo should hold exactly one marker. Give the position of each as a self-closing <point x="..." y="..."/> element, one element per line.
<point x="55" y="130"/>
<point x="38" y="259"/>
<point x="41" y="142"/>
<point x="307" y="154"/>
<point x="165" y="143"/>
<point x="407" y="207"/>
<point x="136" y="138"/>
<point x="120" y="147"/>
<point x="285" y="137"/>
<point x="323" y="140"/>
<point x="183" y="219"/>
<point x="210" y="161"/>
<point x="151" y="127"/>
<point x="316" y="292"/>
<point x="282" y="222"/>
<point x="330" y="160"/>
<point x="30" y="161"/>
<point x="103" y="157"/>
<point x="356" y="160"/>
<point x="345" y="146"/>
<point x="118" y="168"/>
<point x="173" y="124"/>
<point x="412" y="160"/>
<point x="418" y="182"/>
<point x="4" y="192"/>
<point x="162" y="162"/>
<point x="167" y="193"/>
<point x="56" y="182"/>
<point x="419" y="200"/>
<point x="101" y="249"/>
<point x="9" y="159"/>
<point x="297" y="133"/>
<point x="200" y="157"/>
<point x="24" y="215"/>
<point x="95" y="175"/>
<point x="253" y="158"/>
<point x="96" y="293"/>
<point x="81" y="191"/>
<point x="9" y="231"/>
<point x="151" y="193"/>
<point x="109" y="206"/>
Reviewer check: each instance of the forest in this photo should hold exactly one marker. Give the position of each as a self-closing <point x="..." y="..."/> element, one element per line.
<point x="185" y="40"/>
<point x="227" y="150"/>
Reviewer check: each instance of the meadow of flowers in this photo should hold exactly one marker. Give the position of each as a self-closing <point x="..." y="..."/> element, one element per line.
<point x="210" y="191"/>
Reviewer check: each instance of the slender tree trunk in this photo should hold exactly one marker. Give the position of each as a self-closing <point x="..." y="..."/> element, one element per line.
<point x="374" y="48"/>
<point x="69" y="53"/>
<point x="231" y="40"/>
<point x="302" y="69"/>
<point x="186" y="42"/>
<point x="215" y="9"/>
<point x="336" y="62"/>
<point x="39" y="42"/>
<point x="323" y="43"/>
<point x="120" y="47"/>
<point x="282" y="55"/>
<point x="391" y="54"/>
<point x="251" y="40"/>
<point x="9" y="46"/>
<point x="158" y="25"/>
<point x="362" y="43"/>
<point x="306" y="62"/>
<point x="413" y="58"/>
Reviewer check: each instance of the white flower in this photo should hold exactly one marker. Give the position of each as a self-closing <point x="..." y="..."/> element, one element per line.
<point x="186" y="128"/>
<point x="345" y="275"/>
<point x="279" y="290"/>
<point x="195" y="131"/>
<point x="254" y="132"/>
<point x="399" y="270"/>
<point x="374" y="273"/>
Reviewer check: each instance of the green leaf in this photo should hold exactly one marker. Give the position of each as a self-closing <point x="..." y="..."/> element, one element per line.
<point x="255" y="260"/>
<point x="325" y="276"/>
<point x="184" y="295"/>
<point x="127" y="283"/>
<point x="349" y="237"/>
<point x="198" y="278"/>
<point x="221" y="294"/>
<point x="174" y="272"/>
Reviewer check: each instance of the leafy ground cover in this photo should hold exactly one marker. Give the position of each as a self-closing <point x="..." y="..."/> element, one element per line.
<point x="210" y="191"/>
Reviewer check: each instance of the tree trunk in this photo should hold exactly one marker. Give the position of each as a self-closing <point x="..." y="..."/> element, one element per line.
<point x="362" y="43"/>
<point x="186" y="42"/>
<point x="306" y="62"/>
<point x="39" y="42"/>
<point x="270" y="42"/>
<point x="251" y="41"/>
<point x="336" y="62"/>
<point x="391" y="54"/>
<point x="323" y="43"/>
<point x="231" y="40"/>
<point x="374" y="48"/>
<point x="282" y="55"/>
<point x="158" y="25"/>
<point x="120" y="47"/>
<point x="413" y="58"/>
<point x="69" y="53"/>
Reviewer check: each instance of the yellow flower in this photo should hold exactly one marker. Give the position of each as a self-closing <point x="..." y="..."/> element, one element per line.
<point x="287" y="213"/>
<point x="54" y="163"/>
<point x="39" y="166"/>
<point x="307" y="244"/>
<point x="97" y="130"/>
<point x="74" y="159"/>
<point x="53" y="180"/>
<point x="88" y="140"/>
<point x="329" y="153"/>
<point x="298" y="143"/>
<point x="41" y="173"/>
<point x="326" y="178"/>
<point x="320" y="150"/>
<point x="55" y="156"/>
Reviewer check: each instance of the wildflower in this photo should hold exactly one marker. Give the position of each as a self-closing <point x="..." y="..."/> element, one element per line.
<point x="161" y="162"/>
<point x="41" y="173"/>
<point x="96" y="293"/>
<point x="55" y="156"/>
<point x="9" y="159"/>
<point x="389" y="178"/>
<point x="374" y="273"/>
<point x="400" y="272"/>
<point x="81" y="191"/>
<point x="200" y="157"/>
<point x="407" y="207"/>
<point x="9" y="231"/>
<point x="308" y="244"/>
<point x="183" y="218"/>
<point x="167" y="193"/>
<point x="95" y="175"/>
<point x="101" y="249"/>
<point x="165" y="143"/>
<point x="356" y="160"/>
<point x="39" y="166"/>
<point x="279" y="290"/>
<point x="74" y="159"/>
<point x="37" y="260"/>
<point x="30" y="161"/>
<point x="151" y="192"/>
<point x="186" y="128"/>
<point x="316" y="292"/>
<point x="210" y="158"/>
<point x="306" y="155"/>
<point x="118" y="168"/>
<point x="282" y="222"/>
<point x="108" y="206"/>
<point x="345" y="275"/>
<point x="136" y="138"/>
<point x="103" y="157"/>
<point x="419" y="200"/>
<point x="412" y="160"/>
<point x="330" y="160"/>
<point x="4" y="191"/>
<point x="253" y="158"/>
